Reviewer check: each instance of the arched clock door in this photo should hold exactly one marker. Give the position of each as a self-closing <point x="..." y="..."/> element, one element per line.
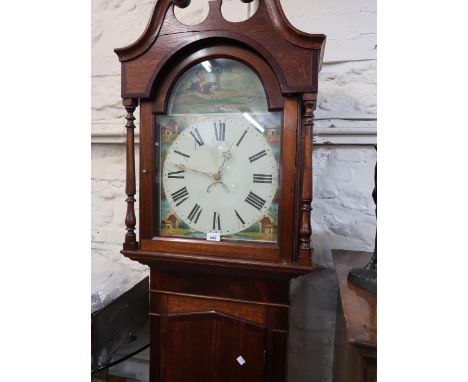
<point x="225" y="186"/>
<point x="217" y="157"/>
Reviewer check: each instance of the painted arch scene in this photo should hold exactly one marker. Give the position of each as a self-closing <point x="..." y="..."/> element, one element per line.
<point x="218" y="86"/>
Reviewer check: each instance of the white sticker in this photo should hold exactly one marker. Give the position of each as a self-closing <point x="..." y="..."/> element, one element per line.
<point x="213" y="236"/>
<point x="241" y="360"/>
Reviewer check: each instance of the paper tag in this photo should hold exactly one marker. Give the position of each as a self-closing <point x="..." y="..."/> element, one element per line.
<point x="240" y="360"/>
<point x="213" y="236"/>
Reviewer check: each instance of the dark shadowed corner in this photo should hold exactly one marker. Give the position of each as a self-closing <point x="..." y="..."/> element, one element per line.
<point x="312" y="326"/>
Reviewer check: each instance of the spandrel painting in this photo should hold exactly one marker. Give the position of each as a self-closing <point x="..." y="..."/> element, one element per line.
<point x="219" y="149"/>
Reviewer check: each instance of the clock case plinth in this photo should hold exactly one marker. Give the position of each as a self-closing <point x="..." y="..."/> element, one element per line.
<point x="211" y="302"/>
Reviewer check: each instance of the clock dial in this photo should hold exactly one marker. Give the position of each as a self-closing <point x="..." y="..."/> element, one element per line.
<point x="220" y="175"/>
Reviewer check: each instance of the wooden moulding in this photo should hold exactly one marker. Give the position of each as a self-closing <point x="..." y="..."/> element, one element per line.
<point x="216" y="265"/>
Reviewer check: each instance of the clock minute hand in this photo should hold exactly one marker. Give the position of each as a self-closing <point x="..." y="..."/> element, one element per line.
<point x="226" y="155"/>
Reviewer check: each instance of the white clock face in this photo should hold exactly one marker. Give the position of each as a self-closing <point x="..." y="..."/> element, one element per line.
<point x="220" y="175"/>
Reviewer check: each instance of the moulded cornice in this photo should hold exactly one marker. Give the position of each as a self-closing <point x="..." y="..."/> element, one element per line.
<point x="275" y="12"/>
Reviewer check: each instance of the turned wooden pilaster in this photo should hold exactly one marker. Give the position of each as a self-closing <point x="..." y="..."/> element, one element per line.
<point x="305" y="231"/>
<point x="130" y="187"/>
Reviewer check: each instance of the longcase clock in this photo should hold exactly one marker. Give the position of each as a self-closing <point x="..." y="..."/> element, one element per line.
<point x="226" y="114"/>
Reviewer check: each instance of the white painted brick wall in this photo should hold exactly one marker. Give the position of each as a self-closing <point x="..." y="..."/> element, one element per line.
<point x="343" y="209"/>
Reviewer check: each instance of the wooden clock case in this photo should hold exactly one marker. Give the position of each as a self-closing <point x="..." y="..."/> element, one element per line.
<point x="211" y="302"/>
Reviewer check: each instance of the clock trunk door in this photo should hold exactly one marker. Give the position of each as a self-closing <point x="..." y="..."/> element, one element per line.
<point x="212" y="347"/>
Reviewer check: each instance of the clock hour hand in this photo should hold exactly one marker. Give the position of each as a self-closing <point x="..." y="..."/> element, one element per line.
<point x="184" y="167"/>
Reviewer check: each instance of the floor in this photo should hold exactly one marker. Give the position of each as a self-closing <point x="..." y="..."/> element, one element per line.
<point x="135" y="369"/>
